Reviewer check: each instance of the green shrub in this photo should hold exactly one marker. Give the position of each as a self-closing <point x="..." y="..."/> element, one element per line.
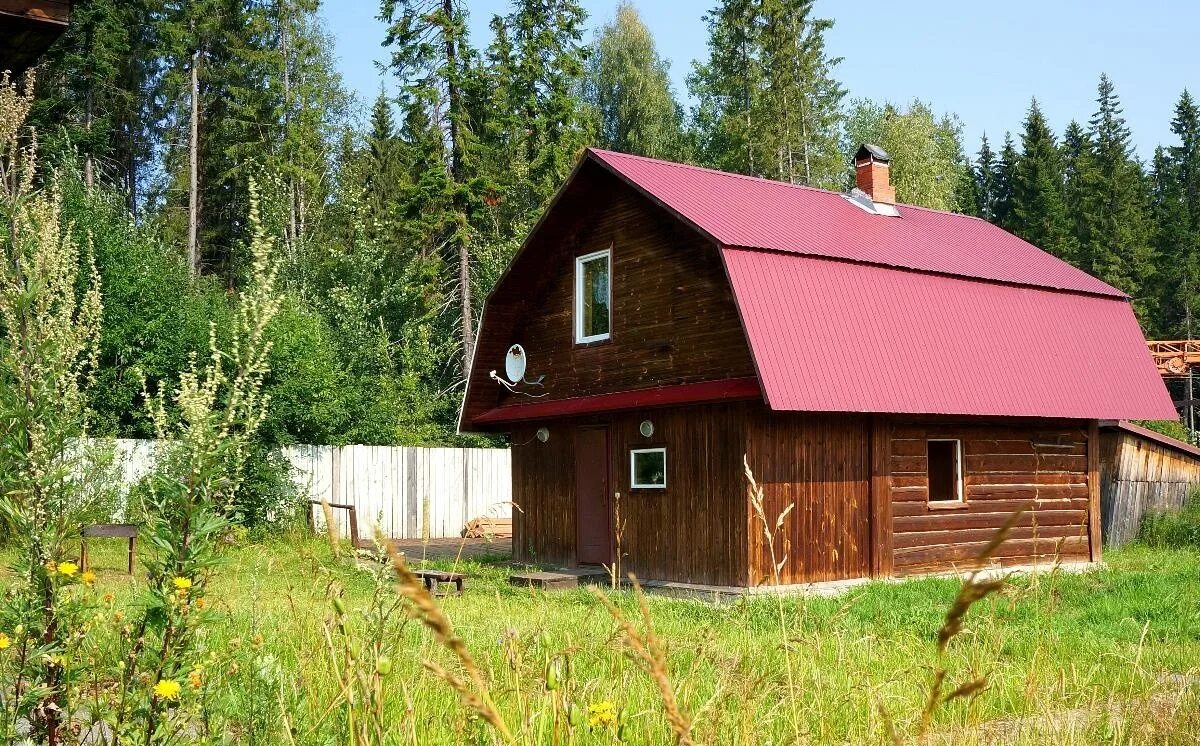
<point x="1173" y="528"/>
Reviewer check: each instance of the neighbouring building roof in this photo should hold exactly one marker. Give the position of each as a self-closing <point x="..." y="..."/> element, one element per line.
<point x="930" y="313"/>
<point x="1157" y="437"/>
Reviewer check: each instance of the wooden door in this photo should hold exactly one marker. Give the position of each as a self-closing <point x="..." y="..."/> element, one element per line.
<point x="593" y="516"/>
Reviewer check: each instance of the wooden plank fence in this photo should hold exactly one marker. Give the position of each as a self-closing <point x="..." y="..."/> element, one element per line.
<point x="409" y="492"/>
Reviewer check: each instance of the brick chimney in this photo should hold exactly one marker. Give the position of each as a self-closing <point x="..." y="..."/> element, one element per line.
<point x="872" y="174"/>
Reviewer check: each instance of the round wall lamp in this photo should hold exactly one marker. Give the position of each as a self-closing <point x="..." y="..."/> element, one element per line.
<point x="646" y="428"/>
<point x="543" y="434"/>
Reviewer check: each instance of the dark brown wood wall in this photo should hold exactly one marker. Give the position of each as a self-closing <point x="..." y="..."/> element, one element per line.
<point x="819" y="465"/>
<point x="694" y="531"/>
<point x="1043" y="468"/>
<point x="673" y="315"/>
<point x="674" y="320"/>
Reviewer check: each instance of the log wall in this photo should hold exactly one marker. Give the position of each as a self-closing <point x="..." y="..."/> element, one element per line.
<point x="816" y="468"/>
<point x="1043" y="468"/>
<point x="1139" y="476"/>
<point x="693" y="531"/>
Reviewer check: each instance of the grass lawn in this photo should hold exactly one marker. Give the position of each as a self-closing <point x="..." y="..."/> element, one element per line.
<point x="1108" y="656"/>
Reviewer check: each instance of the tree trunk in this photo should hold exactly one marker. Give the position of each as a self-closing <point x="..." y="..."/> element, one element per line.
<point x="454" y="114"/>
<point x="193" y="245"/>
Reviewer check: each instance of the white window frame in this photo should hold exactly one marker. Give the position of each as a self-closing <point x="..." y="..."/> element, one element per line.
<point x="633" y="483"/>
<point x="958" y="468"/>
<point x="580" y="337"/>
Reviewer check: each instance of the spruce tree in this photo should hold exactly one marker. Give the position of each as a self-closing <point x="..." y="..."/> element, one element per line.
<point x="1114" y="205"/>
<point x="1038" y="213"/>
<point x="768" y="104"/>
<point x="628" y="87"/>
<point x="433" y="62"/>
<point x="1003" y="179"/>
<point x="984" y="173"/>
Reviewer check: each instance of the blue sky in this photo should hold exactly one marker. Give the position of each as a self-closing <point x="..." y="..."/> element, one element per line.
<point x="980" y="60"/>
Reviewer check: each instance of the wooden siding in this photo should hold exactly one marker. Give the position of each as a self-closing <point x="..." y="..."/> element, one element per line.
<point x="1040" y="467"/>
<point x="820" y="466"/>
<point x="1137" y="476"/>
<point x="674" y="320"/>
<point x="693" y="531"/>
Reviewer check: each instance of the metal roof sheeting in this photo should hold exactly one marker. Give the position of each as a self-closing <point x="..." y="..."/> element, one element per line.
<point x="755" y="213"/>
<point x="839" y="336"/>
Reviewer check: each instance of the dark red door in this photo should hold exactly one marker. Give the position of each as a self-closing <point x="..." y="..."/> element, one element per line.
<point x="593" y="517"/>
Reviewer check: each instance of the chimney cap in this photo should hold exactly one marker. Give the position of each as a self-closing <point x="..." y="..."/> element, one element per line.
<point x="872" y="152"/>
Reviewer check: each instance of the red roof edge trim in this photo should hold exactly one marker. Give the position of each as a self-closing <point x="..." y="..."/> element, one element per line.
<point x="1148" y="434"/>
<point x="688" y="393"/>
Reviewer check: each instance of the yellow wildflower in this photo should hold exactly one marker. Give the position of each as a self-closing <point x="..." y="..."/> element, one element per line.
<point x="167" y="689"/>
<point x="67" y="569"/>
<point x="194" y="678"/>
<point x="108" y="598"/>
<point x="602" y="715"/>
<point x="88" y="577"/>
<point x="182" y="584"/>
<point x="5" y="641"/>
<point x="201" y="603"/>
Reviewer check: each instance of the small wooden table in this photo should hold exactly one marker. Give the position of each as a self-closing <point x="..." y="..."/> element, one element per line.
<point x="433" y="577"/>
<point x="108" y="531"/>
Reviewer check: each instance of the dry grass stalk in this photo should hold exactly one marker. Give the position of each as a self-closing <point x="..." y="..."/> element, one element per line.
<point x="769" y="530"/>
<point x="973" y="590"/>
<point x="614" y="570"/>
<point x="426" y="609"/>
<point x="647" y="651"/>
<point x="335" y="541"/>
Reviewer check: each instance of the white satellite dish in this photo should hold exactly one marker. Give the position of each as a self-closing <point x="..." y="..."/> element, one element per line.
<point x="514" y="363"/>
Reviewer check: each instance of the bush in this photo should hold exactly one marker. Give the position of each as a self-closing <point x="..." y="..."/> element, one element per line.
<point x="1173" y="528"/>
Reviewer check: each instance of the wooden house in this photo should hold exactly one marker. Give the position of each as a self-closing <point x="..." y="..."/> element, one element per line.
<point x="903" y="379"/>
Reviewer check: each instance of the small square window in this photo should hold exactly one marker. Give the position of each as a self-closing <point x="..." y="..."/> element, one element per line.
<point x="593" y="297"/>
<point x="944" y="465"/>
<point x="648" y="468"/>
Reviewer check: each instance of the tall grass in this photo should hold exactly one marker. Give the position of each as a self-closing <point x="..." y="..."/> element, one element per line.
<point x="1173" y="528"/>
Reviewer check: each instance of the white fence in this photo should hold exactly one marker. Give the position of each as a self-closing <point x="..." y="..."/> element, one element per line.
<point x="408" y="492"/>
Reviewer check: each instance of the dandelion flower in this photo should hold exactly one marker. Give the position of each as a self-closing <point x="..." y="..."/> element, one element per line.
<point x="88" y="577"/>
<point x="182" y="584"/>
<point x="602" y="715"/>
<point x="201" y="603"/>
<point x="5" y="641"/>
<point x="67" y="569"/>
<point x="167" y="689"/>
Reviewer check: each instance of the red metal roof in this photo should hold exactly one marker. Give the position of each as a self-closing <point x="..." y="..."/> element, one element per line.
<point x="832" y="335"/>
<point x="755" y="213"/>
<point x="1148" y="434"/>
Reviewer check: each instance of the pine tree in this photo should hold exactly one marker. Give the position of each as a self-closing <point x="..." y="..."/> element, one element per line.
<point x="629" y="88"/>
<point x="1039" y="214"/>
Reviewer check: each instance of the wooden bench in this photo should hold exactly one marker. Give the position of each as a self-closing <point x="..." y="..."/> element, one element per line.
<point x="433" y="577"/>
<point x="352" y="519"/>
<point x="107" y="531"/>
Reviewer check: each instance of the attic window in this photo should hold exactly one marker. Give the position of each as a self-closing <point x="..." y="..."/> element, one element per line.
<point x="593" y="296"/>
<point x="944" y="465"/>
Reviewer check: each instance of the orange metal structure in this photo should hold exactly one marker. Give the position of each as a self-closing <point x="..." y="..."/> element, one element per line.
<point x="1175" y="359"/>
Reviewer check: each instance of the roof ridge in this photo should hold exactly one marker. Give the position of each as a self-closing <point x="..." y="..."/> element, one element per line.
<point x="1119" y="295"/>
<point x="764" y="180"/>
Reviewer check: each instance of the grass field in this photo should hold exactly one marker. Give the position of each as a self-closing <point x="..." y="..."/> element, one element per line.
<point x="1109" y="656"/>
